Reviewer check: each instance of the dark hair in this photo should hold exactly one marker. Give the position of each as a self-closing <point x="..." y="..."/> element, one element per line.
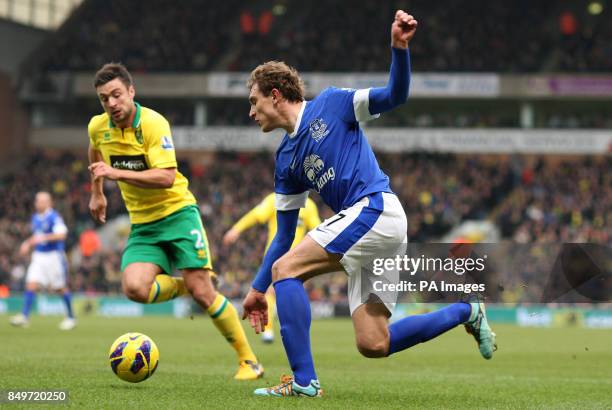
<point x="277" y="74"/>
<point x="110" y="71"/>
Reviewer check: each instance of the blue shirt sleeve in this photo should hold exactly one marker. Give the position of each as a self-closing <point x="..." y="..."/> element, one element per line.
<point x="290" y="193"/>
<point x="285" y="232"/>
<point x="284" y="184"/>
<point x="365" y="104"/>
<point x="396" y="92"/>
<point x="348" y="104"/>
<point x="340" y="102"/>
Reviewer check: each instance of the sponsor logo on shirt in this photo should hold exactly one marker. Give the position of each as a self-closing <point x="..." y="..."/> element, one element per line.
<point x="313" y="168"/>
<point x="129" y="162"/>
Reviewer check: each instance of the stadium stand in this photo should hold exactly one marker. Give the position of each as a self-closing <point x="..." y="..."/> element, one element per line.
<point x="523" y="36"/>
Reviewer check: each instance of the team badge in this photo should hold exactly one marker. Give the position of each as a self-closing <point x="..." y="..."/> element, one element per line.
<point x="138" y="135"/>
<point x="318" y="129"/>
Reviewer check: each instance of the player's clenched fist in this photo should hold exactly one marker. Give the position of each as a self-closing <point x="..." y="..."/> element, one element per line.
<point x="402" y="29"/>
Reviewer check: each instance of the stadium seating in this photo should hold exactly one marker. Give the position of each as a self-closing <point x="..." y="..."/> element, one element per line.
<point x="522" y="36"/>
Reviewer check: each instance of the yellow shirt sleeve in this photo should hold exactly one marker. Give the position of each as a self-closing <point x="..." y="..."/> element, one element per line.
<point x="261" y="214"/>
<point x="158" y="139"/>
<point x="91" y="132"/>
<point x="311" y="215"/>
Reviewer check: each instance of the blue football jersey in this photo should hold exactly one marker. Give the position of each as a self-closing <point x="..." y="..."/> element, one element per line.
<point x="328" y="153"/>
<point x="46" y="223"/>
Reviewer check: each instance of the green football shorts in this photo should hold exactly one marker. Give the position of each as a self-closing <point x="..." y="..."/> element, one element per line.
<point x="177" y="241"/>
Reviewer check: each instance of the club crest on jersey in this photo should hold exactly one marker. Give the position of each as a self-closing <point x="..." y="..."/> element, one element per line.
<point x="166" y="143"/>
<point x="313" y="164"/>
<point x="318" y="129"/>
<point x="138" y="135"/>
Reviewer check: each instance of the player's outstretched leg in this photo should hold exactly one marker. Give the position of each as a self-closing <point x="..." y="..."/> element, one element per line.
<point x="226" y="320"/>
<point x="415" y="329"/>
<point x="412" y="330"/>
<point x="294" y="316"/>
<point x="478" y="326"/>
<point x="268" y="334"/>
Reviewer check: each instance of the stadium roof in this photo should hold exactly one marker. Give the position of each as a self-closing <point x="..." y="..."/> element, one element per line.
<point x="44" y="14"/>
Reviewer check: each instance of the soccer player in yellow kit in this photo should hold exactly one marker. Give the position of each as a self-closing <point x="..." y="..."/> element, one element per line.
<point x="133" y="145"/>
<point x="265" y="213"/>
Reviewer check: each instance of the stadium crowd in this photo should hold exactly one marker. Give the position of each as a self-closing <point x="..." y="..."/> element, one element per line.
<point x="548" y="200"/>
<point x="522" y="36"/>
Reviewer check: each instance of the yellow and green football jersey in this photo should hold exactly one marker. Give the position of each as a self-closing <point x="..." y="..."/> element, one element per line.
<point x="145" y="145"/>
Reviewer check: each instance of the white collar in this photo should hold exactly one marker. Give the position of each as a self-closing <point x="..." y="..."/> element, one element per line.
<point x="298" y="120"/>
<point x="44" y="214"/>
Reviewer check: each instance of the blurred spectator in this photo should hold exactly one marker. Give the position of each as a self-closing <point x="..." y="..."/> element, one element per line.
<point x="89" y="242"/>
<point x="247" y="23"/>
<point x="568" y="24"/>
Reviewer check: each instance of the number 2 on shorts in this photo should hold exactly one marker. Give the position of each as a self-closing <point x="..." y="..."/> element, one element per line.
<point x="199" y="242"/>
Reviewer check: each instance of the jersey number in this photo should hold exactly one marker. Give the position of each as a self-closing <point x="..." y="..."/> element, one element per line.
<point x="199" y="242"/>
<point x="340" y="216"/>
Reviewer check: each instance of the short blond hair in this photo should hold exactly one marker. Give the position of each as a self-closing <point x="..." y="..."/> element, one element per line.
<point x="279" y="75"/>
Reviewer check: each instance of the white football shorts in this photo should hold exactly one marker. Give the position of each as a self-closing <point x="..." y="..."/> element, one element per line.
<point x="49" y="269"/>
<point x="375" y="227"/>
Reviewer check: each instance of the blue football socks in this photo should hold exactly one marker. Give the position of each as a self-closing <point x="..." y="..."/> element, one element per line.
<point x="28" y="299"/>
<point x="412" y="330"/>
<point x="68" y="302"/>
<point x="293" y="310"/>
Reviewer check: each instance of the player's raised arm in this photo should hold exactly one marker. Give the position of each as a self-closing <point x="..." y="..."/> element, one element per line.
<point x="255" y="306"/>
<point x="396" y="92"/>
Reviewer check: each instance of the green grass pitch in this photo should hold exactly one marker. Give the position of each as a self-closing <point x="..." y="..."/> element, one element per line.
<point x="541" y="368"/>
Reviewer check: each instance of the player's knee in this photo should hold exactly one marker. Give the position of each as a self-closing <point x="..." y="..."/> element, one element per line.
<point x="275" y="271"/>
<point x="136" y="291"/>
<point x="280" y="270"/>
<point x="373" y="348"/>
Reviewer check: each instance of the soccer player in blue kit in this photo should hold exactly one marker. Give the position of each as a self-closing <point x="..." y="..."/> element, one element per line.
<point x="326" y="151"/>
<point x="48" y="267"/>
